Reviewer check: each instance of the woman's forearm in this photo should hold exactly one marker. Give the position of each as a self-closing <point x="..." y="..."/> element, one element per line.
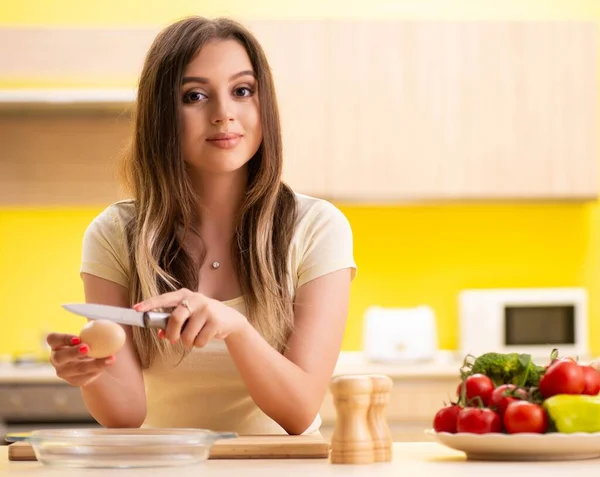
<point x="280" y="388"/>
<point x="117" y="398"/>
<point x="115" y="403"/>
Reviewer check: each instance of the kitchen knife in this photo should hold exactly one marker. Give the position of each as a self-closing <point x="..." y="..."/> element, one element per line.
<point x="123" y="316"/>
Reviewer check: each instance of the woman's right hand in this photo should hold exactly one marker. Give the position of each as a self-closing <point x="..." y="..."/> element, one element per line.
<point x="70" y="360"/>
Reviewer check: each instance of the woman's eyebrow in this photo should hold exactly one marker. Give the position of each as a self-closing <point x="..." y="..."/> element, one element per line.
<point x="202" y="80"/>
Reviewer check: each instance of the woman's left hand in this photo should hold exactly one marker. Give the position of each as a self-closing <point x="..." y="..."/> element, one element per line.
<point x="196" y="319"/>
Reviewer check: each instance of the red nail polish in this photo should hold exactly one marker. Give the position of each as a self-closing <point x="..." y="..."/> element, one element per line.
<point x="75" y="340"/>
<point x="161" y="334"/>
<point x="84" y="348"/>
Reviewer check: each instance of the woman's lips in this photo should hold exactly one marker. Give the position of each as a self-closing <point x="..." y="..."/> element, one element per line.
<point x="225" y="140"/>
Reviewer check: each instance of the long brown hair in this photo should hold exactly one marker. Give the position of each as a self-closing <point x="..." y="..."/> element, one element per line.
<point x="165" y="204"/>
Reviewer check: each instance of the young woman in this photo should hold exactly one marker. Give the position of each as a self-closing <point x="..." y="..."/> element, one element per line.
<point x="258" y="274"/>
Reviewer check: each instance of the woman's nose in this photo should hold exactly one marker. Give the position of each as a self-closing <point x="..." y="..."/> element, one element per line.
<point x="223" y="112"/>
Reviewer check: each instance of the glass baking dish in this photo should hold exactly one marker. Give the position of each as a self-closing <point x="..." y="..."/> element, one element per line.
<point x="123" y="448"/>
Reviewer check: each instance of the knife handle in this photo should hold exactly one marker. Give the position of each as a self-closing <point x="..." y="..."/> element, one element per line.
<point x="156" y="319"/>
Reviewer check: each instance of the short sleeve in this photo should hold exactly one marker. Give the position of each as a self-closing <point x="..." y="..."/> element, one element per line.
<point x="326" y="244"/>
<point x="104" y="252"/>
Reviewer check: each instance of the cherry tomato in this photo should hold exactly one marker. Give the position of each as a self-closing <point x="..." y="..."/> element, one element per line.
<point x="525" y="416"/>
<point x="562" y="377"/>
<point x="445" y="419"/>
<point x="591" y="378"/>
<point x="477" y="385"/>
<point x="478" y="421"/>
<point x="500" y="402"/>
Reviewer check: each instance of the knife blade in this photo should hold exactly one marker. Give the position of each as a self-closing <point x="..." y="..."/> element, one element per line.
<point x="123" y="316"/>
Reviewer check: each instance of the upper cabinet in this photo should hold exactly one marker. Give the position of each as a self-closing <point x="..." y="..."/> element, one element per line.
<point x="372" y="112"/>
<point x="439" y="111"/>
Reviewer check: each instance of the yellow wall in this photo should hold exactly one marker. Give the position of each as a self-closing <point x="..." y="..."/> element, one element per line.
<point x="159" y="12"/>
<point x="407" y="255"/>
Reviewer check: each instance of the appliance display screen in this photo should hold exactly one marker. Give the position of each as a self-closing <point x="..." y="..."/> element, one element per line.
<point x="539" y="325"/>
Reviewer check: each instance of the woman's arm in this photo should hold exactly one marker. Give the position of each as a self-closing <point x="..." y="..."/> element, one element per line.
<point x="117" y="398"/>
<point x="290" y="388"/>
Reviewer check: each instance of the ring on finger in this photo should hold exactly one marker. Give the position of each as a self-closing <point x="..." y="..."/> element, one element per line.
<point x="187" y="305"/>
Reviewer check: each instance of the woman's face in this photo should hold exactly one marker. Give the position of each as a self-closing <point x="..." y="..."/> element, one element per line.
<point x="221" y="113"/>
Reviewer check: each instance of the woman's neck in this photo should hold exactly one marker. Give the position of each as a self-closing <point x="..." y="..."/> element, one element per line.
<point x="220" y="197"/>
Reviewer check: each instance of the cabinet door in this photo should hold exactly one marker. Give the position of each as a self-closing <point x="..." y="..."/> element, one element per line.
<point x="386" y="111"/>
<point x="63" y="159"/>
<point x="298" y="60"/>
<point x="374" y="111"/>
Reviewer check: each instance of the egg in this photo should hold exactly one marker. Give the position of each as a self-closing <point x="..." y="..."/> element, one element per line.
<point x="103" y="337"/>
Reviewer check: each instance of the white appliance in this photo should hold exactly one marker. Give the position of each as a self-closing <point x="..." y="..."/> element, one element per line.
<point x="399" y="334"/>
<point x="524" y="320"/>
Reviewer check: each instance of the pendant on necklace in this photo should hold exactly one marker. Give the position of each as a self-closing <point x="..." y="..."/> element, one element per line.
<point x="215" y="265"/>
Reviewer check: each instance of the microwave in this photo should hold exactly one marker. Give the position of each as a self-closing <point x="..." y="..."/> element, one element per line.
<point x="524" y="320"/>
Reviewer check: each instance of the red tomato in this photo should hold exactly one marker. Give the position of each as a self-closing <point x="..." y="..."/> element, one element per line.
<point x="558" y="360"/>
<point x="477" y="385"/>
<point x="500" y="402"/>
<point x="592" y="381"/>
<point x="445" y="419"/>
<point x="525" y="416"/>
<point x="562" y="377"/>
<point x="478" y="421"/>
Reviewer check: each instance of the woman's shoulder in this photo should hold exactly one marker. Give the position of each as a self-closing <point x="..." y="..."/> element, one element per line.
<point x="313" y="212"/>
<point x="323" y="241"/>
<point x="309" y="206"/>
<point x="105" y="245"/>
<point x="110" y="224"/>
<point x="117" y="214"/>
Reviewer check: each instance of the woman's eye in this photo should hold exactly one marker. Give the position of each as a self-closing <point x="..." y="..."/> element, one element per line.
<point x="193" y="96"/>
<point x="243" y="92"/>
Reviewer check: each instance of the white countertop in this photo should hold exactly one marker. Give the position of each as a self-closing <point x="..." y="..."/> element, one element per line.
<point x="445" y="366"/>
<point x="348" y="363"/>
<point x="410" y="459"/>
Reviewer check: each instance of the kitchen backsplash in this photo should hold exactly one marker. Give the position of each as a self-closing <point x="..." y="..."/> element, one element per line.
<point x="406" y="256"/>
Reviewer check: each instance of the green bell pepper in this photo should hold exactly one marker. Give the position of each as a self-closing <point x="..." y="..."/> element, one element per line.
<point x="574" y="412"/>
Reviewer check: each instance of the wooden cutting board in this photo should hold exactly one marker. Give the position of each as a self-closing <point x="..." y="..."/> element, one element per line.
<point x="243" y="447"/>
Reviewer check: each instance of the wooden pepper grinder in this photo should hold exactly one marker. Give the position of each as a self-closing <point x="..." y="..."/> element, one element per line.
<point x="378" y="425"/>
<point x="351" y="442"/>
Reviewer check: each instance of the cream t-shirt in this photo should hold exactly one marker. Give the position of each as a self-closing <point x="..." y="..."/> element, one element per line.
<point x="205" y="390"/>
